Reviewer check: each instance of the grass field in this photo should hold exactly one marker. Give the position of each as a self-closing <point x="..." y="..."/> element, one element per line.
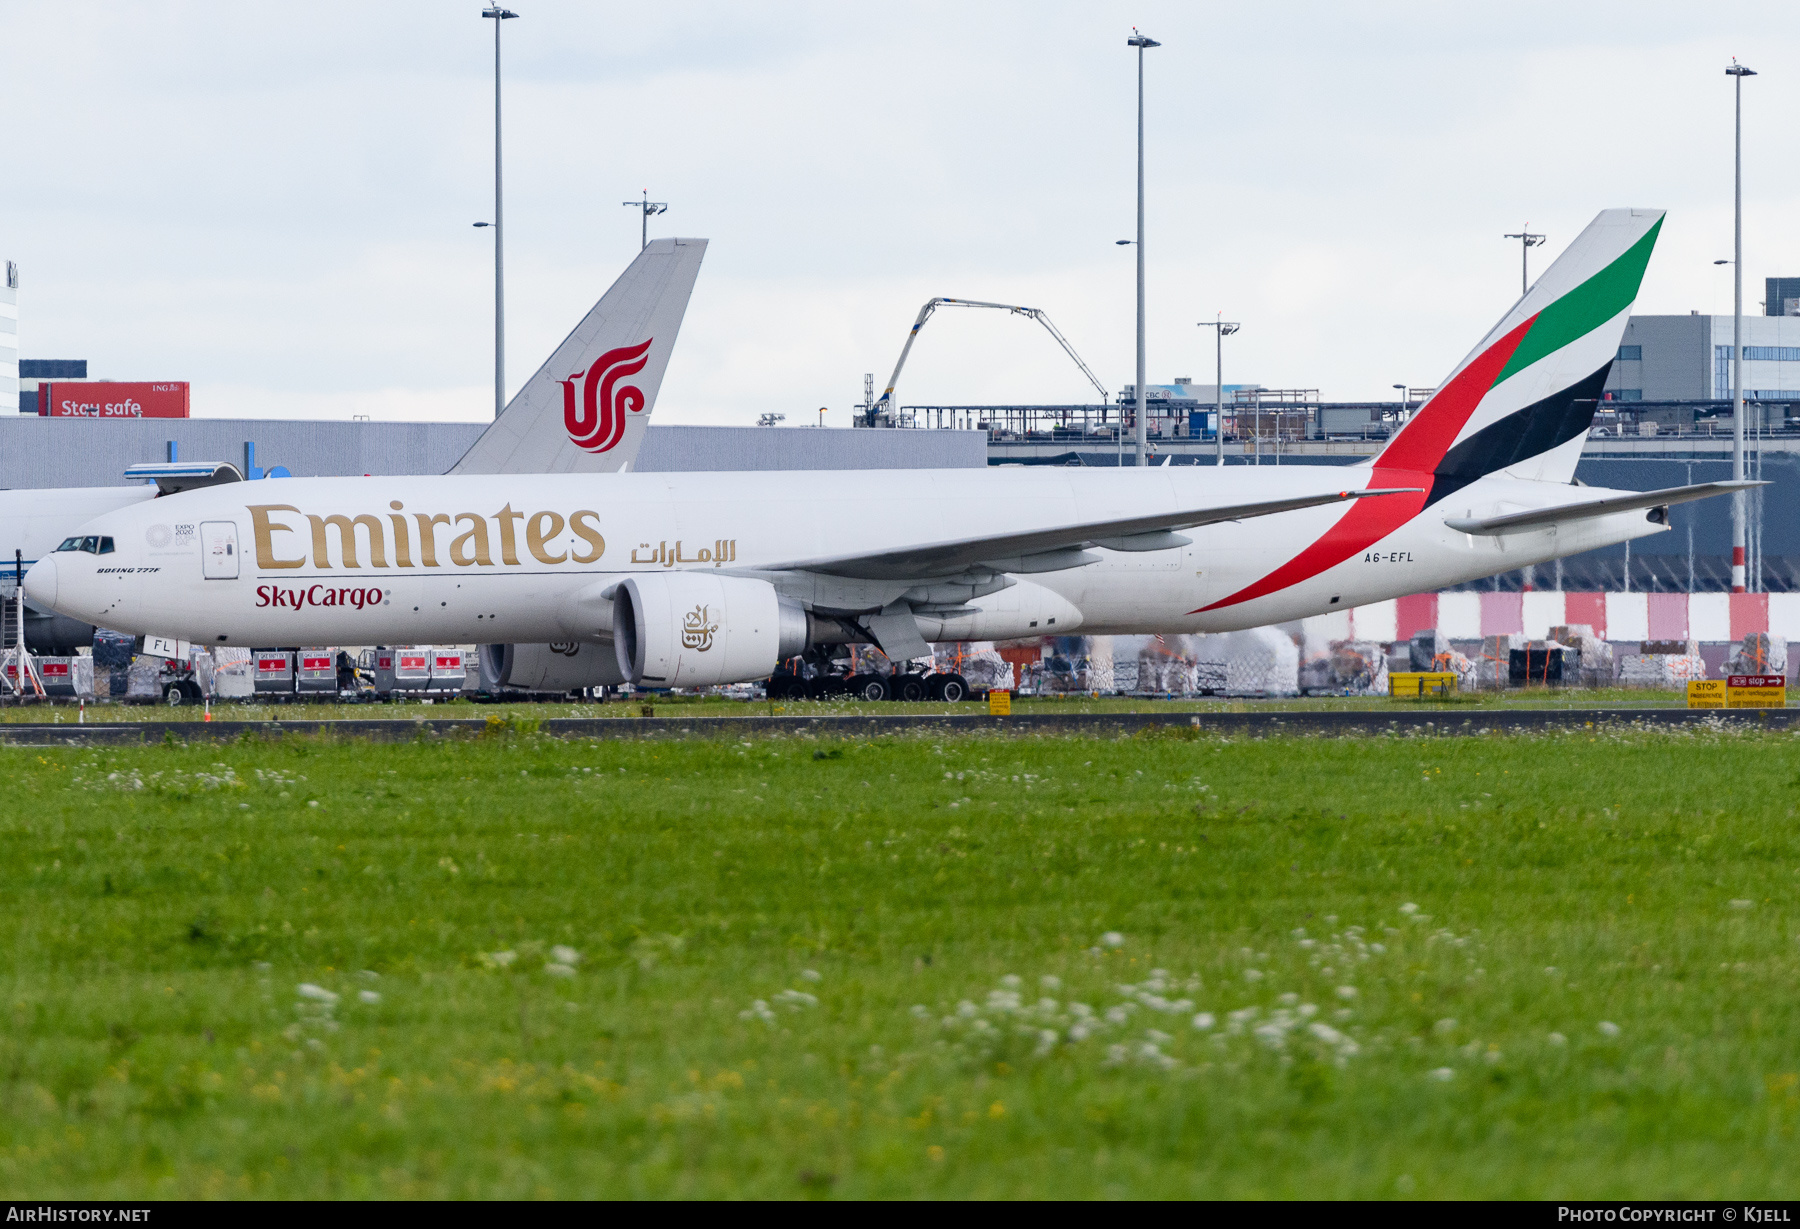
<point x="513" y="966"/>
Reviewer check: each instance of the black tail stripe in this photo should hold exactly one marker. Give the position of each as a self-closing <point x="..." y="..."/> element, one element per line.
<point x="1539" y="427"/>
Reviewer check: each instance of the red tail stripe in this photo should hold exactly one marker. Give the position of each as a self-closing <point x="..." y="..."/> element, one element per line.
<point x="1406" y="462"/>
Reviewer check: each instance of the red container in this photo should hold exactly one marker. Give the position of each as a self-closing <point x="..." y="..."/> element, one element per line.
<point x="112" y="399"/>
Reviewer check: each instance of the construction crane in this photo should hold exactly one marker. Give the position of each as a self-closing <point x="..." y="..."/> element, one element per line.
<point x="885" y="403"/>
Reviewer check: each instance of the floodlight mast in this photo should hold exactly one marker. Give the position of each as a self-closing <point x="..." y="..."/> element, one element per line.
<point x="1738" y="574"/>
<point x="1225" y="328"/>
<point x="1527" y="241"/>
<point x="650" y="209"/>
<point x="885" y="402"/>
<point x="1141" y="437"/>
<point x="499" y="17"/>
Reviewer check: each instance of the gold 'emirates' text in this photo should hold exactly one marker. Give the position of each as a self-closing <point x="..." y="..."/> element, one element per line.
<point x="465" y="535"/>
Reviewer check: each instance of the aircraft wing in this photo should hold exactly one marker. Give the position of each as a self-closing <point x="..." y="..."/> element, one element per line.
<point x="1515" y="522"/>
<point x="1058" y="547"/>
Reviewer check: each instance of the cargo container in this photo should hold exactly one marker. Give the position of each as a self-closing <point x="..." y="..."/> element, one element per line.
<point x="448" y="670"/>
<point x="402" y="670"/>
<point x="315" y="672"/>
<point x="58" y="674"/>
<point x="274" y="672"/>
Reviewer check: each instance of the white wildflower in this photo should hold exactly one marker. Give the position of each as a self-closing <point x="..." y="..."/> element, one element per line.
<point x="1446" y="1025"/>
<point x="1112" y="938"/>
<point x="555" y="969"/>
<point x="1050" y="981"/>
<point x="1443" y="1073"/>
<point x="317" y="994"/>
<point x="368" y="996"/>
<point x="1011" y="981"/>
<point x="812" y="975"/>
<point x="1608" y="1028"/>
<point x="796" y="1000"/>
<point x="502" y="959"/>
<point x="1346" y="992"/>
<point x="1204" y="1021"/>
<point x="564" y="954"/>
<point x="1741" y="904"/>
<point x="921" y="1012"/>
<point x="1253" y="975"/>
<point x="1409" y="907"/>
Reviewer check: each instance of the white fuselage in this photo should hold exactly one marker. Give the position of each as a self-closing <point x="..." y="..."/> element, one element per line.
<point x="511" y="558"/>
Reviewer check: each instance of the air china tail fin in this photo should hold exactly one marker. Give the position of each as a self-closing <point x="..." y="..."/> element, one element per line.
<point x="1524" y="399"/>
<point x="586" y="409"/>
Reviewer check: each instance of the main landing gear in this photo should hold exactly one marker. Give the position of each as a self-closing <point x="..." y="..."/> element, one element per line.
<point x="816" y="677"/>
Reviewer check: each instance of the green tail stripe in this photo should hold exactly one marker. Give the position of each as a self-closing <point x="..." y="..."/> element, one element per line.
<point x="1586" y="307"/>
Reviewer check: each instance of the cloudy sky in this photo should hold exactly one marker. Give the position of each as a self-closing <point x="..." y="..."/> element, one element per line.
<point x="274" y="201"/>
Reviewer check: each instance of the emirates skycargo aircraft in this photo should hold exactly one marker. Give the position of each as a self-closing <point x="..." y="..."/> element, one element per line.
<point x="566" y="419"/>
<point x="695" y="579"/>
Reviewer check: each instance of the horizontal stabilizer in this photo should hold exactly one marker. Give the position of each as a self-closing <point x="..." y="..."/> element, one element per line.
<point x="944" y="558"/>
<point x="1518" y="522"/>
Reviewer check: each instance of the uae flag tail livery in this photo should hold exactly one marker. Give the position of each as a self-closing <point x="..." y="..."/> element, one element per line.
<point x="1519" y="405"/>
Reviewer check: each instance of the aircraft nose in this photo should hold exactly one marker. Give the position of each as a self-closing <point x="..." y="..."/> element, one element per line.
<point x="40" y="582"/>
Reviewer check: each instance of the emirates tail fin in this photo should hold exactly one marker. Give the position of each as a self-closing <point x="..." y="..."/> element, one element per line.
<point x="1524" y="399"/>
<point x="587" y="408"/>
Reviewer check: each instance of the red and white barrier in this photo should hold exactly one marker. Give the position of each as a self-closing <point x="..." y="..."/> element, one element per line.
<point x="1706" y="617"/>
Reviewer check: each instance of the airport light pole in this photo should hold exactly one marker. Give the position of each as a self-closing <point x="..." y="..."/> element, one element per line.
<point x="651" y="209"/>
<point x="1527" y="241"/>
<point x="1225" y="329"/>
<point x="1739" y="72"/>
<point x="498" y="16"/>
<point x="1142" y="435"/>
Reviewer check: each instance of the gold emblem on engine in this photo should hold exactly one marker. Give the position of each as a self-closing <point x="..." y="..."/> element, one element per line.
<point x="696" y="630"/>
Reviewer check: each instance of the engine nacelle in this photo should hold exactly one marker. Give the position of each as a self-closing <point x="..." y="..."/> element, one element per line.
<point x="549" y="667"/>
<point x="687" y="629"/>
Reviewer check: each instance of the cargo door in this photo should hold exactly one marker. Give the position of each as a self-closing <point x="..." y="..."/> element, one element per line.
<point x="218" y="550"/>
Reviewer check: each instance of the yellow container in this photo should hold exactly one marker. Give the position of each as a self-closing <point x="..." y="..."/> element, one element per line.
<point x="999" y="703"/>
<point x="1706" y="693"/>
<point x="1421" y="685"/>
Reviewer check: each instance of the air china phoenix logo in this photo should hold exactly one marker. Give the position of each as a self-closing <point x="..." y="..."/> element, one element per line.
<point x="596" y="419"/>
<point x="697" y="629"/>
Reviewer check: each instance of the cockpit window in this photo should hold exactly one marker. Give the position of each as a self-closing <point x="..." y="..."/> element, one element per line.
<point x="92" y="544"/>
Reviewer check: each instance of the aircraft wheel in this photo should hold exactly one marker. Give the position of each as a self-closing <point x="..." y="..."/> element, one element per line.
<point x="911" y="688"/>
<point x="174" y="696"/>
<point x="869" y="687"/>
<point x="952" y="688"/>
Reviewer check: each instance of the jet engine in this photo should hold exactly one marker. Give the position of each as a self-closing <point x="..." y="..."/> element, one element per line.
<point x="549" y="667"/>
<point x="687" y="629"/>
